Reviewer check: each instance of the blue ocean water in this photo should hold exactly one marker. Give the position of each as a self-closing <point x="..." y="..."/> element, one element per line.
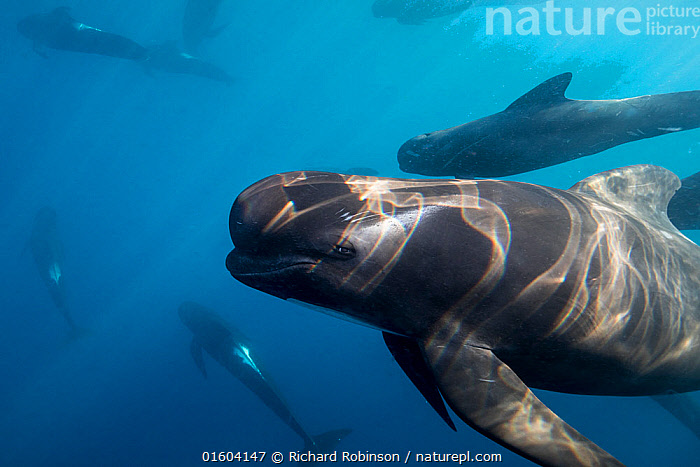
<point x="142" y="168"/>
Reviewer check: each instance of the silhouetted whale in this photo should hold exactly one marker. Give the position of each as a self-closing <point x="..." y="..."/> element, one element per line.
<point x="544" y="128"/>
<point x="198" y="21"/>
<point x="57" y="30"/>
<point x="488" y="287"/>
<point x="166" y="57"/>
<point x="232" y="350"/>
<point x="417" y="11"/>
<point x="47" y="251"/>
<point x="683" y="407"/>
<point x="684" y="208"/>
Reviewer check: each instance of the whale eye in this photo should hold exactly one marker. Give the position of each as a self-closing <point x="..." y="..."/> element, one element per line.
<point x="343" y="250"/>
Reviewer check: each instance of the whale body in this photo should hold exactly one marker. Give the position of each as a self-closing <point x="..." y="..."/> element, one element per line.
<point x="488" y="288"/>
<point x="236" y="354"/>
<point x="544" y="128"/>
<point x="47" y="251"/>
<point x="58" y="30"/>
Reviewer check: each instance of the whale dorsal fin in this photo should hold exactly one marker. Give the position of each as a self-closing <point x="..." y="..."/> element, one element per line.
<point x="642" y="190"/>
<point x="61" y="12"/>
<point x="548" y="93"/>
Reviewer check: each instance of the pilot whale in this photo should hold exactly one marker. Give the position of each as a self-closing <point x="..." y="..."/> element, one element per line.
<point x="684" y="208"/>
<point x="47" y="250"/>
<point x="232" y="350"/>
<point x="197" y="22"/>
<point x="488" y="288"/>
<point x="418" y="11"/>
<point x="58" y="30"/>
<point x="168" y="58"/>
<point x="544" y="128"/>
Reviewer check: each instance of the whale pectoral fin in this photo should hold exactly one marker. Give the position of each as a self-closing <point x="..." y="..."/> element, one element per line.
<point x="683" y="407"/>
<point x="490" y="398"/>
<point x="36" y="47"/>
<point x="409" y="356"/>
<point x="147" y="68"/>
<point x="198" y="355"/>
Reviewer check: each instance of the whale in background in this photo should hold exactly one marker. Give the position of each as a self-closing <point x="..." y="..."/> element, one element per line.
<point x="234" y="352"/>
<point x="47" y="250"/>
<point x="168" y="58"/>
<point x="198" y="22"/>
<point x="418" y="11"/>
<point x="492" y="287"/>
<point x="684" y="208"/>
<point x="544" y="128"/>
<point x="58" y="30"/>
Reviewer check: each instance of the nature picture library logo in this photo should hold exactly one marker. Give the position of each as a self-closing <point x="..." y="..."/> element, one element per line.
<point x="555" y="19"/>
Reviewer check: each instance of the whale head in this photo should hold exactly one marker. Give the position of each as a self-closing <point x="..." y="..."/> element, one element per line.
<point x="434" y="154"/>
<point x="366" y="248"/>
<point x="416" y="155"/>
<point x="30" y="27"/>
<point x="192" y="314"/>
<point x="43" y="27"/>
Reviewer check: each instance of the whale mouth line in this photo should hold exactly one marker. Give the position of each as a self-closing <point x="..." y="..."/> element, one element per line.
<point x="272" y="270"/>
<point x="409" y="152"/>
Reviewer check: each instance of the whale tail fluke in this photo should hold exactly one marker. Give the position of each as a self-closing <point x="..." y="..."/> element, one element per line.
<point x="74" y="335"/>
<point x="75" y="332"/>
<point x="78" y="332"/>
<point x="326" y="442"/>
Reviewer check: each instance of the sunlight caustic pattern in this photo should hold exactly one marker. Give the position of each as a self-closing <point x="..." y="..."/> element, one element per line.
<point x="618" y="265"/>
<point x="385" y="199"/>
<point x="503" y="286"/>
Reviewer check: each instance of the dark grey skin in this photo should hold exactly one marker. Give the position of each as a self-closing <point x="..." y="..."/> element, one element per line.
<point x="47" y="250"/>
<point x="166" y="57"/>
<point x="684" y="208"/>
<point x="58" y="30"/>
<point x="231" y="349"/>
<point x="683" y="407"/>
<point x="495" y="286"/>
<point x="198" y="22"/>
<point x="544" y="128"/>
<point x="418" y="11"/>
